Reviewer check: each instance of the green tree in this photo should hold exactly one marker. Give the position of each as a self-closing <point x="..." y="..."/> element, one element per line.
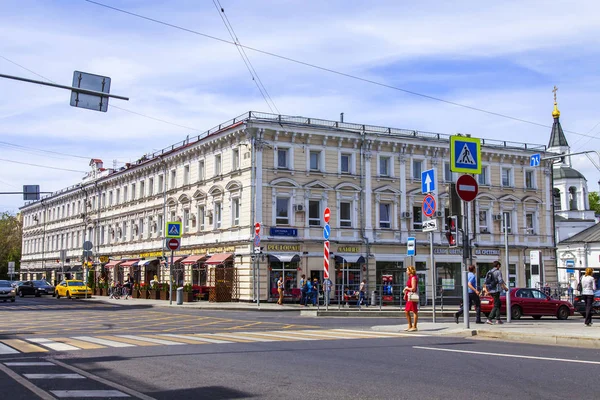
<point x="594" y="200"/>
<point x="11" y="234"/>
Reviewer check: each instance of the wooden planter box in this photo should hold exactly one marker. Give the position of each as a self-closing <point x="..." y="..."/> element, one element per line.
<point x="97" y="292"/>
<point x="137" y="294"/>
<point x="153" y="294"/>
<point x="164" y="295"/>
<point x="188" y="297"/>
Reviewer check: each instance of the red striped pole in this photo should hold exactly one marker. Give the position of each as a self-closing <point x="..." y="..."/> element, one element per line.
<point x="326" y="259"/>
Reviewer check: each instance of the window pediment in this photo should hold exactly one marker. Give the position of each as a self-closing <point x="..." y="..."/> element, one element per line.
<point x="318" y="185"/>
<point x="284" y="182"/>
<point x="387" y="189"/>
<point x="348" y="186"/>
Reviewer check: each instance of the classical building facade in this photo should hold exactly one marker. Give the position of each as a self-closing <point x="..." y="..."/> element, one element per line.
<point x="283" y="172"/>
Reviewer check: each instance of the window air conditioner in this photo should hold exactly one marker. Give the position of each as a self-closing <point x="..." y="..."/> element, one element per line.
<point x="299" y="207"/>
<point x="438" y="214"/>
<point x="407" y="214"/>
<point x="498" y="217"/>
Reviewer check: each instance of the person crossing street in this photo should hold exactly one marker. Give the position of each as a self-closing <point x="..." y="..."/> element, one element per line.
<point x="473" y="297"/>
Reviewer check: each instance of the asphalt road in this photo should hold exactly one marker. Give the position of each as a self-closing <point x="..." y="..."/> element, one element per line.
<point x="272" y="355"/>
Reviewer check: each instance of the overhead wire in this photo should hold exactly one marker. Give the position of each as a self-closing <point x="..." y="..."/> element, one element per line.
<point x="245" y="57"/>
<point x="332" y="71"/>
<point x="43" y="166"/>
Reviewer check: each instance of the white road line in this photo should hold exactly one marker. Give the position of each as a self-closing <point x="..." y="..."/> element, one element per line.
<point x="4" y="349"/>
<point x="51" y="344"/>
<point x="65" y="394"/>
<point x="509" y="355"/>
<point x="42" y="394"/>
<point x="242" y="337"/>
<point x="53" y="376"/>
<point x="380" y="334"/>
<point x="151" y="340"/>
<point x="109" y="343"/>
<point x="200" y="339"/>
<point x="277" y="335"/>
<point x="320" y="335"/>
<point x="29" y="364"/>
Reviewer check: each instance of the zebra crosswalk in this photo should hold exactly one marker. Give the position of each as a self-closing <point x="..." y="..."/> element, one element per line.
<point x="61" y="344"/>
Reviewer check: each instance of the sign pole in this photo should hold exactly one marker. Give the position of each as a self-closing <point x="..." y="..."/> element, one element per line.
<point x="465" y="266"/>
<point x="507" y="279"/>
<point x="432" y="273"/>
<point x="171" y="278"/>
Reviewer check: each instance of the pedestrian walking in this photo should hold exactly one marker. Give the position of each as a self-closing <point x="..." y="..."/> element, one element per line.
<point x="303" y="290"/>
<point x="280" y="290"/>
<point x="327" y="284"/>
<point x="473" y="297"/>
<point x="309" y="289"/>
<point x="315" y="291"/>
<point x="362" y="290"/>
<point x="588" y="287"/>
<point x="412" y="302"/>
<point x="494" y="282"/>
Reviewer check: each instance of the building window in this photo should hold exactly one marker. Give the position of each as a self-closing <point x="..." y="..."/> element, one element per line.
<point x="201" y="215"/>
<point x="529" y="180"/>
<point x="506" y="177"/>
<point x="133" y="191"/>
<point x="186" y="220"/>
<point x="572" y="198"/>
<point x="103" y="202"/>
<point x="417" y="169"/>
<point x="384" y="166"/>
<point x="556" y="198"/>
<point x="172" y="219"/>
<point x="118" y="195"/>
<point x="345" y="160"/>
<point x="530" y="223"/>
<point x="173" y="179"/>
<point x="186" y="175"/>
<point x="141" y="227"/>
<point x="417" y="218"/>
<point x="506" y="216"/>
<point x="235" y="159"/>
<point x="345" y="214"/>
<point x="483" y="178"/>
<point x="142" y="189"/>
<point x="217" y="165"/>
<point x="483" y="221"/>
<point x="447" y="173"/>
<point x="315" y="160"/>
<point x="235" y="212"/>
<point x="150" y="186"/>
<point x="314" y="213"/>
<point x="283" y="211"/>
<point x="161" y="183"/>
<point x="125" y="196"/>
<point x="161" y="225"/>
<point x="282" y="158"/>
<point x="123" y="234"/>
<point x="201" y="170"/>
<point x="385" y="215"/>
<point x="218" y="213"/>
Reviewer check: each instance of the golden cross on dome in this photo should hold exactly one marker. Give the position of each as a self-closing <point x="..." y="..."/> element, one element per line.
<point x="554" y="91"/>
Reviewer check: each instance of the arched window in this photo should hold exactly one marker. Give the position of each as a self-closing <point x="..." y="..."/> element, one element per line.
<point x="556" y="197"/>
<point x="572" y="198"/>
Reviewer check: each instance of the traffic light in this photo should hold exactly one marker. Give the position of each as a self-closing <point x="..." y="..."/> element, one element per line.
<point x="452" y="233"/>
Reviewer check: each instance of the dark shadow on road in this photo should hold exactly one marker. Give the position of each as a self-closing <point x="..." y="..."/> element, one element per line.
<point x="207" y="392"/>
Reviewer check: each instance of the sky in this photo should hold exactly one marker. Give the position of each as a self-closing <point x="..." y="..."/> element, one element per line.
<point x="504" y="58"/>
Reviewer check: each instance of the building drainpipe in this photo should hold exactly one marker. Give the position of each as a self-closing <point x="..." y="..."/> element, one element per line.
<point x="362" y="205"/>
<point x="553" y="226"/>
<point x="164" y="223"/>
<point x="85" y="200"/>
<point x="44" y="208"/>
<point x="252" y="209"/>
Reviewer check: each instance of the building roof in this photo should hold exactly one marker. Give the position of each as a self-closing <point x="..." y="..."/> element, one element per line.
<point x="557" y="136"/>
<point x="564" y="172"/>
<point x="589" y="235"/>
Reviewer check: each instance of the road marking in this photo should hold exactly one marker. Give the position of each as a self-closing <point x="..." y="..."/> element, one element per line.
<point x="243" y="338"/>
<point x="109" y="343"/>
<point x="24" y="347"/>
<point x="28" y="364"/>
<point x="283" y="335"/>
<point x="131" y="342"/>
<point x="194" y="338"/>
<point x="53" y="376"/>
<point x="210" y="340"/>
<point x="509" y="355"/>
<point x="42" y="394"/>
<point x="4" y="349"/>
<point x="380" y="334"/>
<point x="80" y="343"/>
<point x="150" y="339"/>
<point x="183" y="339"/>
<point x="65" y="394"/>
<point x="52" y="344"/>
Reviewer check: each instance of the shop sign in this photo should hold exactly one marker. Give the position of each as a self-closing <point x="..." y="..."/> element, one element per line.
<point x="103" y="259"/>
<point x="283" y="232"/>
<point x="349" y="249"/>
<point x="487" y="252"/>
<point x="222" y="249"/>
<point x="448" y="284"/>
<point x="283" y="247"/>
<point x="151" y="254"/>
<point x="441" y="250"/>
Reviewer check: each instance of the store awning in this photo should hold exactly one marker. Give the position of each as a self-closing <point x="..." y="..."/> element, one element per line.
<point x="113" y="263"/>
<point x="284" y="257"/>
<point x="176" y="259"/>
<point x="130" y="263"/>
<point x="147" y="261"/>
<point x="217" y="259"/>
<point x="194" y="259"/>
<point x="350" y="258"/>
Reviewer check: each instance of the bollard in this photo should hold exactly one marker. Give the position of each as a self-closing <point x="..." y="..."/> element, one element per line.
<point x="373" y="298"/>
<point x="179" y="296"/>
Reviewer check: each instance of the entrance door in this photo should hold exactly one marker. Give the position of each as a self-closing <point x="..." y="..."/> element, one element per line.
<point x="422" y="275"/>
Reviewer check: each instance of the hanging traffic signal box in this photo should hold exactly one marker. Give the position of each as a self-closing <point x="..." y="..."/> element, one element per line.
<point x="452" y="233"/>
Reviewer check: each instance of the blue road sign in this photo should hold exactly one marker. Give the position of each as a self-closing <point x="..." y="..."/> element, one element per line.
<point x="534" y="160"/>
<point x="256" y="240"/>
<point x="326" y="231"/>
<point x="410" y="246"/>
<point x="570" y="263"/>
<point x="428" y="181"/>
<point x="465" y="154"/>
<point x="173" y="229"/>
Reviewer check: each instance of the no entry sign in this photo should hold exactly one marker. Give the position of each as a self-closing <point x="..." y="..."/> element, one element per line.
<point x="173" y="244"/>
<point x="467" y="188"/>
<point x="326" y="215"/>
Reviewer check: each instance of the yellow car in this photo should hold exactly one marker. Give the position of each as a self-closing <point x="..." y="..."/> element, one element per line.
<point x="72" y="288"/>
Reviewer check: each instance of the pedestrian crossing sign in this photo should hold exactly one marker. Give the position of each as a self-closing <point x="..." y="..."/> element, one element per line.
<point x="465" y="154"/>
<point x="173" y="229"/>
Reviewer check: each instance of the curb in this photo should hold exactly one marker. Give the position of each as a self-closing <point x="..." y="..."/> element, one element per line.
<point x="558" y="340"/>
<point x="370" y="314"/>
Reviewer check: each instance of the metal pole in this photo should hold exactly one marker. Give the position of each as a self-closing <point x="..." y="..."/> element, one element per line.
<point x="343" y="275"/>
<point x="465" y="266"/>
<point x="432" y="266"/>
<point x="258" y="282"/>
<point x="507" y="280"/>
<point x="171" y="279"/>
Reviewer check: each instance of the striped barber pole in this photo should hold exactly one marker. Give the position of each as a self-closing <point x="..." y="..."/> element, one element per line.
<point x="326" y="259"/>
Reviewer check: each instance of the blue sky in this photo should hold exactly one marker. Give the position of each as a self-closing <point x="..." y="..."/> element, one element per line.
<point x="503" y="57"/>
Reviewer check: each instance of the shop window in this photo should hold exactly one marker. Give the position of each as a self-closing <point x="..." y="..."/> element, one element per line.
<point x="314" y="213"/>
<point x="289" y="272"/>
<point x="449" y="279"/>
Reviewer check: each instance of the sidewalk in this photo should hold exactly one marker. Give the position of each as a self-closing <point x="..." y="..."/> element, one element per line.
<point x="527" y="331"/>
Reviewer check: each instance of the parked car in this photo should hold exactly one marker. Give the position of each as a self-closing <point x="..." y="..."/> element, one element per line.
<point x="72" y="288"/>
<point x="7" y="292"/>
<point x="14" y="284"/>
<point x="34" y="288"/>
<point x="579" y="304"/>
<point x="529" y="302"/>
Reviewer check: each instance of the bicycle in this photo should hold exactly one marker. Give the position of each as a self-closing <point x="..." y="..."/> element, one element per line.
<point x="116" y="292"/>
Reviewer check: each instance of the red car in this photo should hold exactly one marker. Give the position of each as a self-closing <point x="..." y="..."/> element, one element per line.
<point x="529" y="302"/>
